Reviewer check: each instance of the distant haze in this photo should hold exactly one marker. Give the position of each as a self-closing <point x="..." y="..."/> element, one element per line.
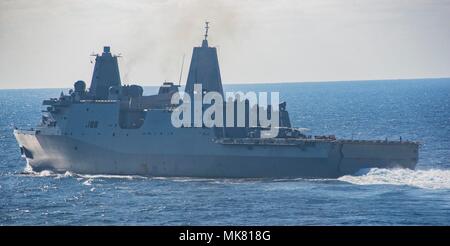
<point x="48" y="43"/>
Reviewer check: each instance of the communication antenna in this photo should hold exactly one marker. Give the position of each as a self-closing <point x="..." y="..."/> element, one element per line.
<point x="206" y="29"/>
<point x="93" y="54"/>
<point x="181" y="72"/>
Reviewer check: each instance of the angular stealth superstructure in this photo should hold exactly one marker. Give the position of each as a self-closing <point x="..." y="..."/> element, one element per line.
<point x="114" y="129"/>
<point x="105" y="75"/>
<point x="204" y="70"/>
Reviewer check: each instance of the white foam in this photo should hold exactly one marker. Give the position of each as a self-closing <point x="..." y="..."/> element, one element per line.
<point x="68" y="174"/>
<point x="44" y="173"/>
<point x="189" y="179"/>
<point x="426" y="179"/>
<point x="104" y="176"/>
<point x="88" y="182"/>
<point x="28" y="170"/>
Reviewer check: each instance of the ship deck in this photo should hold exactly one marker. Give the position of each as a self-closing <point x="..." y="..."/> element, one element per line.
<point x="301" y="141"/>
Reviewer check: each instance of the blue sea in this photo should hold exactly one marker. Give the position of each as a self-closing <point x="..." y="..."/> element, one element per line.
<point x="413" y="109"/>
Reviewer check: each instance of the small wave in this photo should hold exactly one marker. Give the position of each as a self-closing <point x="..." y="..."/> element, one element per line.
<point x="88" y="182"/>
<point x="426" y="179"/>
<point x="65" y="175"/>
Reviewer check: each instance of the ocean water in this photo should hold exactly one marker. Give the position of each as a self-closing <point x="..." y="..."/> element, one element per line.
<point x="413" y="109"/>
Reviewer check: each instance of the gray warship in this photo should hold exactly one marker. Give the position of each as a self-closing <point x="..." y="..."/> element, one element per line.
<point x="114" y="129"/>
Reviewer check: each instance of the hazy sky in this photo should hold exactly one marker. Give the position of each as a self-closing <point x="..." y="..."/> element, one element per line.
<point x="48" y="43"/>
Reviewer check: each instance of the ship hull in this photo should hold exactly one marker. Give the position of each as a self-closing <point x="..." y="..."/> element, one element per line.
<point x="327" y="160"/>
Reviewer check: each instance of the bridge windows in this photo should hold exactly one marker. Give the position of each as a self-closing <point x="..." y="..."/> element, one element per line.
<point x="92" y="124"/>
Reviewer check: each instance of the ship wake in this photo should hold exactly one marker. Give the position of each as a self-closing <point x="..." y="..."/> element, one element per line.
<point x="28" y="170"/>
<point x="426" y="179"/>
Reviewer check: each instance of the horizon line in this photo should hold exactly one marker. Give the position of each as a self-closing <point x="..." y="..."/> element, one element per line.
<point x="255" y="83"/>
